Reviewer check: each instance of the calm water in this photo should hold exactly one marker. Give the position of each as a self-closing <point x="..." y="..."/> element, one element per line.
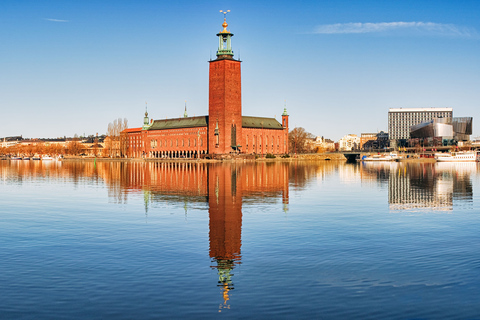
<point x="117" y="240"/>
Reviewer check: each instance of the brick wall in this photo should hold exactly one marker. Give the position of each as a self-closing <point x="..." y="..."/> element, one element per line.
<point x="225" y="105"/>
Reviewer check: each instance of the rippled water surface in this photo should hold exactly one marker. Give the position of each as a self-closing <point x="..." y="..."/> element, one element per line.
<point x="118" y="240"/>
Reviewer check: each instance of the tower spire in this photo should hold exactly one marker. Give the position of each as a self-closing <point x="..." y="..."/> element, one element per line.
<point x="145" y="119"/>
<point x="225" y="40"/>
<point x="285" y="109"/>
<point x="185" y="115"/>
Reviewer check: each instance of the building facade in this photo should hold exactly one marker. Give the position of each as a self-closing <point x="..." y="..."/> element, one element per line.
<point x="349" y="142"/>
<point x="321" y="144"/>
<point x="445" y="130"/>
<point x="401" y="119"/>
<point x="366" y="137"/>
<point x="223" y="131"/>
<point x="374" y="141"/>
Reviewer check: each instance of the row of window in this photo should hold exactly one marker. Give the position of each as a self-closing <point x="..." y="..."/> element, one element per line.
<point x="154" y="143"/>
<point x="268" y="142"/>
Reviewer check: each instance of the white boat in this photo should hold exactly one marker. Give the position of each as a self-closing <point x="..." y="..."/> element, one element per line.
<point x="381" y="157"/>
<point x="47" y="158"/>
<point x="460" y="156"/>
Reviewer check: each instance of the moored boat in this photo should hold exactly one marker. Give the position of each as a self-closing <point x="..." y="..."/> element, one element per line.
<point x="460" y="156"/>
<point x="381" y="157"/>
<point x="47" y="158"/>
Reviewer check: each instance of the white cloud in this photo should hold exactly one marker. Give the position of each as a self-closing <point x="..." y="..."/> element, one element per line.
<point x="56" y="20"/>
<point x="425" y="28"/>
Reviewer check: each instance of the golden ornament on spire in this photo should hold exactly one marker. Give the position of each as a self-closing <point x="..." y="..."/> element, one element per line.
<point x="224" y="24"/>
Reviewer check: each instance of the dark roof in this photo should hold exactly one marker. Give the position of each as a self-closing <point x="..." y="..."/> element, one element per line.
<point x="202" y="121"/>
<point x="190" y="122"/>
<point x="258" y="122"/>
<point x="15" y="138"/>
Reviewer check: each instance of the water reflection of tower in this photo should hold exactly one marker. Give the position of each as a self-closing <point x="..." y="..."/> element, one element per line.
<point x="225" y="211"/>
<point x="226" y="187"/>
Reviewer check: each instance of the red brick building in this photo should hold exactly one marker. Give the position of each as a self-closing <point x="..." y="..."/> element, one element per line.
<point x="223" y="131"/>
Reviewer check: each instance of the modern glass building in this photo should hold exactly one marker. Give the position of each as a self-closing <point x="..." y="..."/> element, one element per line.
<point x="458" y="129"/>
<point x="401" y="119"/>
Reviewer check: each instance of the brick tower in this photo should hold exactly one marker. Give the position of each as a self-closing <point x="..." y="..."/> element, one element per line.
<point x="225" y="98"/>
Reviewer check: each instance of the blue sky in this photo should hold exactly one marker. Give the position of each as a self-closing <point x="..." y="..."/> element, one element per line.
<point x="71" y="67"/>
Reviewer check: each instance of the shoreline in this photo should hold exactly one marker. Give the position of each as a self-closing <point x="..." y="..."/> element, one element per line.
<point x="302" y="157"/>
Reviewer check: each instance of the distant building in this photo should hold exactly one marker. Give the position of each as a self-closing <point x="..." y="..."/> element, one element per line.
<point x="365" y="137"/>
<point x="476" y="142"/>
<point x="402" y="119"/>
<point x="462" y="128"/>
<point x="379" y="141"/>
<point x="321" y="144"/>
<point x="446" y="130"/>
<point x="349" y="142"/>
<point x="10" y="141"/>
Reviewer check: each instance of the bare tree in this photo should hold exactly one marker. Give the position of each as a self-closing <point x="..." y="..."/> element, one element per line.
<point x="298" y="140"/>
<point x="95" y="146"/>
<point x="112" y="144"/>
<point x="74" y="147"/>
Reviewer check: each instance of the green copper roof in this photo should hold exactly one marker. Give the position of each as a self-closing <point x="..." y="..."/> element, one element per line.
<point x="191" y="122"/>
<point x="258" y="122"/>
<point x="202" y="121"/>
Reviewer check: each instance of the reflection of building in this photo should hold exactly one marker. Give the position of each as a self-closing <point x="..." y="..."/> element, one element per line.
<point x="435" y="186"/>
<point x="223" y="131"/>
<point x="225" y="211"/>
<point x="417" y="189"/>
<point x="225" y="187"/>
<point x="411" y="187"/>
